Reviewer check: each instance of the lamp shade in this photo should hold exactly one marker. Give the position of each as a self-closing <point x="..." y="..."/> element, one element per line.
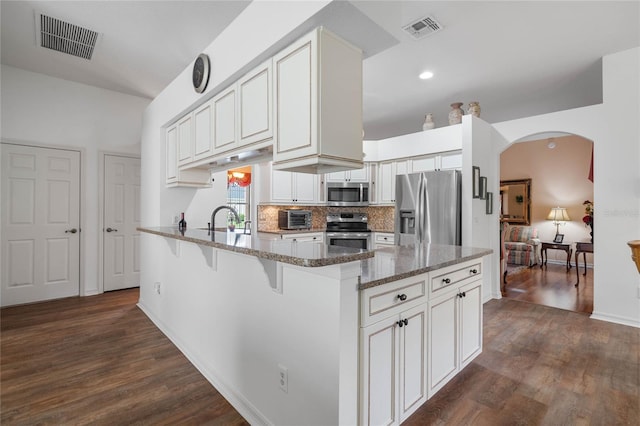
<point x="558" y="214"/>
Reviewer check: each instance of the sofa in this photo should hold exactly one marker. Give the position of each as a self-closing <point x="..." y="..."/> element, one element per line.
<point x="522" y="246"/>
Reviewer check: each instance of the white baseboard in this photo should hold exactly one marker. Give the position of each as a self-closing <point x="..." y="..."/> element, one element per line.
<point x="632" y="322"/>
<point x="241" y="404"/>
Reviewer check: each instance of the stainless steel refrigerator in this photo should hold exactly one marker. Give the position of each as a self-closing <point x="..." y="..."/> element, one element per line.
<point x="428" y="208"/>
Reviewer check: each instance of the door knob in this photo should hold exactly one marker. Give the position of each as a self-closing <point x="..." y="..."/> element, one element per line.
<point x="71" y="231"/>
<point x="111" y="230"/>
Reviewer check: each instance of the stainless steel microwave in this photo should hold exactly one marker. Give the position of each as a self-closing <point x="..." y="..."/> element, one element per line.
<point x="347" y="194"/>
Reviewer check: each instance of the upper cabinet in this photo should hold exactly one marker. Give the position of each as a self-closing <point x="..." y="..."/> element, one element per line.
<point x="387" y="173"/>
<point x="357" y="175"/>
<point x="318" y="105"/>
<point x="174" y="175"/>
<point x="224" y="121"/>
<point x="442" y="161"/>
<point x="185" y="140"/>
<point x="255" y="105"/>
<point x="202" y="134"/>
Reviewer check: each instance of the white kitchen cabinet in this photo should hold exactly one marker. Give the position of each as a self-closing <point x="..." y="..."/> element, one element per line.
<point x="200" y="178"/>
<point x="393" y="367"/>
<point x="255" y="104"/>
<point x="443" y="161"/>
<point x="455" y="332"/>
<point x="318" y="105"/>
<point x="185" y="140"/>
<point x="203" y="131"/>
<point x="294" y="188"/>
<point x="387" y="172"/>
<point x="356" y="175"/>
<point x="382" y="239"/>
<point x="224" y="121"/>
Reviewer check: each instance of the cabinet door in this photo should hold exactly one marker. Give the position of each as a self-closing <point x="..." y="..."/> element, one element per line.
<point x="359" y="175"/>
<point x="443" y="326"/>
<point x="386" y="183"/>
<point x="203" y="140"/>
<point x="224" y="121"/>
<point x="425" y="164"/>
<point x="172" y="154"/>
<point x="470" y="322"/>
<point x="255" y="105"/>
<point x="379" y="373"/>
<point x="401" y="168"/>
<point x="337" y="177"/>
<point x="281" y="186"/>
<point x="305" y="188"/>
<point x="413" y="360"/>
<point x="185" y="140"/>
<point x="295" y="87"/>
<point x="451" y="161"/>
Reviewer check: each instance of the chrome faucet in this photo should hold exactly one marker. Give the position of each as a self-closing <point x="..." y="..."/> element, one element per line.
<point x="247" y="226"/>
<point x="213" y="215"/>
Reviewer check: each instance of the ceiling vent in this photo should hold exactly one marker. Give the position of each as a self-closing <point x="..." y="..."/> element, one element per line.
<point x="422" y="27"/>
<point x="61" y="36"/>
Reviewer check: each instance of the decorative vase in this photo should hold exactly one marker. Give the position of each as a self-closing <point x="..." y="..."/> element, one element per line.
<point x="591" y="233"/>
<point x="635" y="252"/>
<point x="474" y="109"/>
<point x="428" y="122"/>
<point x="456" y="113"/>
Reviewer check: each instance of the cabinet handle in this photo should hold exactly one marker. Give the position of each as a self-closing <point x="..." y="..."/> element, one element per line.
<point x="403" y="322"/>
<point x="402" y="297"/>
<point x="474" y="271"/>
<point x="71" y="231"/>
<point x="446" y="280"/>
<point x="111" y="230"/>
<point x="463" y="294"/>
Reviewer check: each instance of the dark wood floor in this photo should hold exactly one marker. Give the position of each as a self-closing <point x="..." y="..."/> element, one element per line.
<point x="552" y="286"/>
<point x="99" y="360"/>
<point x="543" y="366"/>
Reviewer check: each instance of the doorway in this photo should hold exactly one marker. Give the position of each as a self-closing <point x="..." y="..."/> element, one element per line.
<point x="120" y="219"/>
<point x="559" y="167"/>
<point x="40" y="223"/>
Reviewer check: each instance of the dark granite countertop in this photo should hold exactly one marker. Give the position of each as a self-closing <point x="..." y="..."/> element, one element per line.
<point x="397" y="262"/>
<point x="311" y="254"/>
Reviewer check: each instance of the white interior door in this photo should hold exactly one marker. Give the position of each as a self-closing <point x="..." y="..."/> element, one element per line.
<point x="121" y="249"/>
<point x="40" y="224"/>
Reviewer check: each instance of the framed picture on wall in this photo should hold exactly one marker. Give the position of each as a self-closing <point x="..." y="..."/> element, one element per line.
<point x="476" y="181"/>
<point x="489" y="202"/>
<point x="483" y="188"/>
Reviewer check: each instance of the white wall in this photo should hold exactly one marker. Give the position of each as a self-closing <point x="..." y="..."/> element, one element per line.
<point x="613" y="127"/>
<point x="230" y="53"/>
<point x="43" y="110"/>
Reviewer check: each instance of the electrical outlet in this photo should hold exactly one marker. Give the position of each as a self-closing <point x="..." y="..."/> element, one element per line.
<point x="283" y="378"/>
<point x="156" y="286"/>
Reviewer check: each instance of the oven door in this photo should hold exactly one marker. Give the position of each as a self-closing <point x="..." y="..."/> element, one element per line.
<point x="359" y="240"/>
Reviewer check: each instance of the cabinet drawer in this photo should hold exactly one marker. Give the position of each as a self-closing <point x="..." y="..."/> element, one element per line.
<point x="386" y="300"/>
<point x="384" y="238"/>
<point x="458" y="274"/>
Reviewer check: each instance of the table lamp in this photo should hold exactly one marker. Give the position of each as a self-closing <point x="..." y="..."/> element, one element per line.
<point x="559" y="216"/>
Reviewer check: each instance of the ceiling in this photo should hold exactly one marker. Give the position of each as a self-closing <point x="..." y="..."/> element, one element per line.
<point x="516" y="58"/>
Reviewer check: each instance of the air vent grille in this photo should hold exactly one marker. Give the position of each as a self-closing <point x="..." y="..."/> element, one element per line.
<point x="67" y="38"/>
<point x="422" y="27"/>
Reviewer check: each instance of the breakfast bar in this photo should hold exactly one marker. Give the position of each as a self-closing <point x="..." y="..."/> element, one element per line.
<point x="297" y="352"/>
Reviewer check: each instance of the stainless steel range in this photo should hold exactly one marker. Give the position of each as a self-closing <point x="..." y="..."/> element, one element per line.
<point x="348" y="230"/>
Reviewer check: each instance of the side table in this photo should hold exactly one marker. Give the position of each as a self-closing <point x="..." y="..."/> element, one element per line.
<point x="556" y="246"/>
<point x="583" y="248"/>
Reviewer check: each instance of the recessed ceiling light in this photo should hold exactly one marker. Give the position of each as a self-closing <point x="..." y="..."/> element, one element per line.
<point x="426" y="75"/>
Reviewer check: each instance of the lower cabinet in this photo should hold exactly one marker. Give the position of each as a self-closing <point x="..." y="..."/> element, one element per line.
<point x="393" y="367"/>
<point x="455" y="332"/>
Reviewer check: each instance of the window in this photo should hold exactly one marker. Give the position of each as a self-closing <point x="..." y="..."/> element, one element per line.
<point x="239" y="194"/>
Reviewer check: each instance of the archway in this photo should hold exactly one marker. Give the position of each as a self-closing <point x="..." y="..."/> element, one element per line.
<point x="558" y="165"/>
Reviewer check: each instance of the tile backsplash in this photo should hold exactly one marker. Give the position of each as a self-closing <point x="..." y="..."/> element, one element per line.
<point x="380" y="217"/>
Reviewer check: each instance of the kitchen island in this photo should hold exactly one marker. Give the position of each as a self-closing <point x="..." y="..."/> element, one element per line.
<point x="278" y="327"/>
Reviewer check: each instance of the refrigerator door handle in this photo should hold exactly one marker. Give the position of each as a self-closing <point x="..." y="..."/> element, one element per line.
<point x="420" y="211"/>
<point x="426" y="219"/>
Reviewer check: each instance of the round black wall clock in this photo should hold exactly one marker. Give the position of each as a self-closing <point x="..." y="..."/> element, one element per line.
<point x="200" y="74"/>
